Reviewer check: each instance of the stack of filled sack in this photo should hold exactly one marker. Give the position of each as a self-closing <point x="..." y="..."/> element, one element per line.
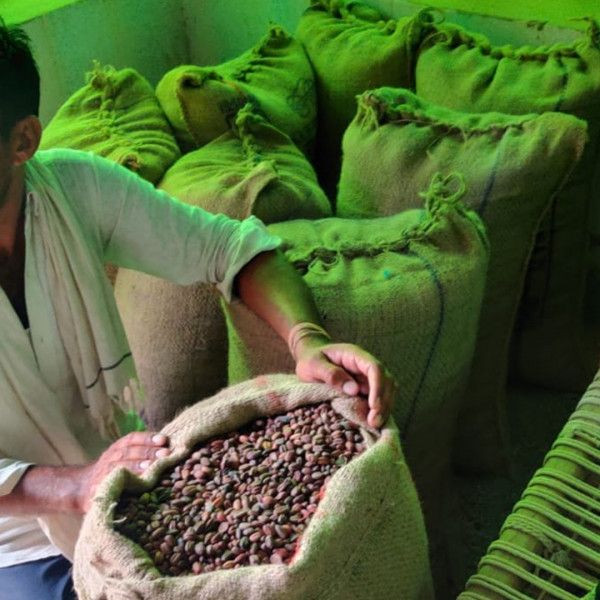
<point x="434" y="191"/>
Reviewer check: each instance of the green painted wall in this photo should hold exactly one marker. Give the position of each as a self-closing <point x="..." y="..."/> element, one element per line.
<point x="19" y="11"/>
<point x="154" y="36"/>
<point x="143" y="34"/>
<point x="555" y="12"/>
<point x="221" y="29"/>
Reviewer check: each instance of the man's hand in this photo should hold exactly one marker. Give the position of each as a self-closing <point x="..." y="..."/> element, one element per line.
<point x="135" y="451"/>
<point x="351" y="370"/>
<point x="275" y="291"/>
<point x="69" y="489"/>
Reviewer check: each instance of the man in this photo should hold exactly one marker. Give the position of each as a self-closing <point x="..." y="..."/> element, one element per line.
<point x="66" y="374"/>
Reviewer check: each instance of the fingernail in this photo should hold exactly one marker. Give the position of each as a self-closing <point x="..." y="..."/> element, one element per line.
<point x="378" y="421"/>
<point x="144" y="464"/>
<point x="350" y="388"/>
<point x="162" y="452"/>
<point x="158" y="438"/>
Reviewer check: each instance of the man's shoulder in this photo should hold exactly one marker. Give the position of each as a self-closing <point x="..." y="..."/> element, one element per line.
<point x="66" y="158"/>
<point x="82" y="166"/>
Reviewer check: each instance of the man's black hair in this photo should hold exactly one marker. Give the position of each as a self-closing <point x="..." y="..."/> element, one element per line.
<point x="19" y="78"/>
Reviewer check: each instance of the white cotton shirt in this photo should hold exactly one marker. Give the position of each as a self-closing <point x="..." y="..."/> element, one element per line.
<point x="131" y="224"/>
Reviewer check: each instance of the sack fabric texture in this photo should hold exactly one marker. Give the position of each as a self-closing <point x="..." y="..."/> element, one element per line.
<point x="512" y="166"/>
<point x="252" y="169"/>
<point x="177" y="333"/>
<point x="275" y="76"/>
<point x="366" y="541"/>
<point x="557" y="341"/>
<point x="408" y="289"/>
<point x="352" y="49"/>
<point x="116" y="115"/>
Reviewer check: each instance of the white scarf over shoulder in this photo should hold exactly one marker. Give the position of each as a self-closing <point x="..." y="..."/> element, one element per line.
<point x="31" y="429"/>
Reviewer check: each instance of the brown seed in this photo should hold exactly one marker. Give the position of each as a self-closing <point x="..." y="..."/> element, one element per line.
<point x="158" y="533"/>
<point x="196" y="568"/>
<point x="255" y="537"/>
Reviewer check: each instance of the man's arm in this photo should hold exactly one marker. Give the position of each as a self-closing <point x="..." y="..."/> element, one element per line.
<point x="270" y="286"/>
<point x="69" y="489"/>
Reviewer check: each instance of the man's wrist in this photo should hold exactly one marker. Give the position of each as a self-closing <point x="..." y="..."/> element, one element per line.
<point x="303" y="331"/>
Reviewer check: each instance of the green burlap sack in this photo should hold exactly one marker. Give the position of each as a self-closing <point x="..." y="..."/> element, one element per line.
<point x="178" y="339"/>
<point x="275" y="76"/>
<point x="177" y="333"/>
<point x="513" y="167"/>
<point x="253" y="169"/>
<point x="408" y="289"/>
<point x="116" y="115"/>
<point x="353" y="48"/>
<point x="557" y="341"/>
<point x="366" y="540"/>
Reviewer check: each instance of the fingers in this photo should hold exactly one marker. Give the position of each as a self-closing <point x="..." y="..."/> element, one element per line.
<point x="380" y="406"/>
<point x="142" y="438"/>
<point x="136" y="451"/>
<point x="370" y="378"/>
<point x="320" y="368"/>
<point x="379" y="394"/>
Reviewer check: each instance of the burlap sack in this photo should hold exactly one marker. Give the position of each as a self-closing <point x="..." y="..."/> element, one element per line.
<point x="557" y="341"/>
<point x="365" y="542"/>
<point x="513" y="166"/>
<point x="275" y="76"/>
<point x="353" y="48"/>
<point x="408" y="289"/>
<point x="253" y="169"/>
<point x="177" y="333"/>
<point x="178" y="339"/>
<point x="116" y="115"/>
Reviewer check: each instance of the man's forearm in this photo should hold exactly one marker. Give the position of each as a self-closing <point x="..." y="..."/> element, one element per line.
<point x="70" y="488"/>
<point x="45" y="490"/>
<point x="271" y="287"/>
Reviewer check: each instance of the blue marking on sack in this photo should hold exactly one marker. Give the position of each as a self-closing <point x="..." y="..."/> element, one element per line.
<point x="436" y="338"/>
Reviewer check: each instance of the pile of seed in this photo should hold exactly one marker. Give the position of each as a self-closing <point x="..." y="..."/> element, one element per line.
<point x="242" y="499"/>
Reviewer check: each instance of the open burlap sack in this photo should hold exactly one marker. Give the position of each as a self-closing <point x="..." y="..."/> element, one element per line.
<point x="365" y="542"/>
<point x="275" y="76"/>
<point x="557" y="342"/>
<point x="513" y="166"/>
<point x="116" y="115"/>
<point x="408" y="289"/>
<point x="353" y="48"/>
<point x="177" y="333"/>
